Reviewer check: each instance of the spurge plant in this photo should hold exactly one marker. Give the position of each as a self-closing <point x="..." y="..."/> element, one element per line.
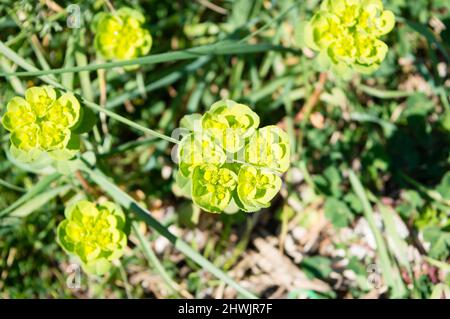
<point x="226" y="163"/>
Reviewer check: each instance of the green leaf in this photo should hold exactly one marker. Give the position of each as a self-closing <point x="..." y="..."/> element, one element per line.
<point x="230" y="123"/>
<point x="353" y="201"/>
<point x="183" y="185"/>
<point x="317" y="266"/>
<point x="444" y="186"/>
<point x="97" y="267"/>
<point x="256" y="188"/>
<point x="191" y="122"/>
<point x="445" y="120"/>
<point x="61" y="238"/>
<point x="330" y="182"/>
<point x="86" y="121"/>
<point x="440" y="291"/>
<point x="34" y="158"/>
<point x="334" y="180"/>
<point x="67" y="167"/>
<point x="153" y="260"/>
<point x="242" y="11"/>
<point x="299" y="33"/>
<point x="188" y="214"/>
<point x="73" y="147"/>
<point x="337" y="212"/>
<point x="269" y="147"/>
<point x="417" y="105"/>
<point x="439" y="240"/>
<point x="34" y="204"/>
<point x="222" y="48"/>
<point x="212" y="187"/>
<point x="428" y="34"/>
<point x="36" y="189"/>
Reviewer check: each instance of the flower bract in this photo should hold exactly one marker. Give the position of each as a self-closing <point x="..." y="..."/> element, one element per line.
<point x="226" y="162"/>
<point x="120" y="35"/>
<point x="94" y="233"/>
<point x="347" y="35"/>
<point x="42" y="123"/>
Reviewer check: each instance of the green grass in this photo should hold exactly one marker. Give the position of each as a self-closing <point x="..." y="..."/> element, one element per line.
<point x="376" y="147"/>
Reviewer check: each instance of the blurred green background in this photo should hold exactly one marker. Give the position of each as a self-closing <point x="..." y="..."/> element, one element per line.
<point x="317" y="240"/>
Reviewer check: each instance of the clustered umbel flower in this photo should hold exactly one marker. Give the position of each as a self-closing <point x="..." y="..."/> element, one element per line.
<point x="120" y="35"/>
<point x="347" y="32"/>
<point x="42" y="123"/>
<point x="94" y="233"/>
<point x="226" y="163"/>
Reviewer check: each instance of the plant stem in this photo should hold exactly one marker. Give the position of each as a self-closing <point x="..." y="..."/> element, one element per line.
<point x="430" y="193"/>
<point x="17" y="59"/>
<point x="437" y="263"/>
<point x="10" y="54"/>
<point x="126" y="284"/>
<point x="303" y="114"/>
<point x="386" y="266"/>
<point x="271" y="21"/>
<point x="128" y="122"/>
<point x="384" y="94"/>
<point x="11" y="186"/>
<point x="220" y="48"/>
<point x="41" y="186"/>
<point x="129" y="203"/>
<point x="156" y="264"/>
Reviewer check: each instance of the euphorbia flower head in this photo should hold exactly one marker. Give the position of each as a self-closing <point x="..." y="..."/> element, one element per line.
<point x="226" y="162"/>
<point x="42" y="123"/>
<point x="94" y="233"/>
<point x="347" y="32"/>
<point x="120" y="35"/>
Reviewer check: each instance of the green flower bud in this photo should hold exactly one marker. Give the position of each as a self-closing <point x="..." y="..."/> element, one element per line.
<point x="27" y="138"/>
<point x="53" y="136"/>
<point x="41" y="98"/>
<point x="346" y="33"/>
<point x="64" y="111"/>
<point x="212" y="187"/>
<point x="196" y="149"/>
<point x="256" y="188"/>
<point x="269" y="147"/>
<point x="41" y="122"/>
<point x="120" y="36"/>
<point x="94" y="233"/>
<point x="230" y="123"/>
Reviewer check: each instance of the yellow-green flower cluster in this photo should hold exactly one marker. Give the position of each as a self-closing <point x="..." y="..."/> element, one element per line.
<point x="41" y="123"/>
<point x="213" y="186"/>
<point x="347" y="32"/>
<point x="226" y="161"/>
<point x="94" y="233"/>
<point x="120" y="35"/>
